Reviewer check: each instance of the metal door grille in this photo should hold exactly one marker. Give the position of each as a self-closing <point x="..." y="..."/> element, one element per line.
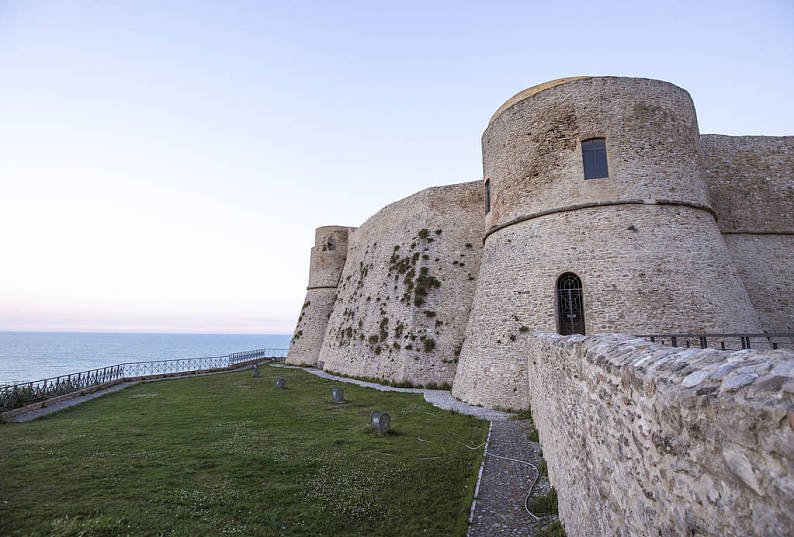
<point x="570" y="307"/>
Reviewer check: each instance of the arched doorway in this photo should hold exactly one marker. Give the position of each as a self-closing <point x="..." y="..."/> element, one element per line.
<point x="570" y="306"/>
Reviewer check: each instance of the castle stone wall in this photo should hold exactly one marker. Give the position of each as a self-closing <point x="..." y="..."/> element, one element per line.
<point x="750" y="181"/>
<point x="766" y="265"/>
<point x="406" y="289"/>
<point x="751" y="186"/>
<point x="644" y="241"/>
<point x="326" y="263"/>
<point x="644" y="440"/>
<point x="532" y="150"/>
<point x="644" y="269"/>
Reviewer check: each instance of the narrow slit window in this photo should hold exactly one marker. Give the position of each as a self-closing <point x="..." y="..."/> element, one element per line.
<point x="487" y="196"/>
<point x="331" y="243"/>
<point x="594" y="157"/>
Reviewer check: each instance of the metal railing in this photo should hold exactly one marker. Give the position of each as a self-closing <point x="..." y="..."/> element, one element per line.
<point x="25" y="393"/>
<point x="725" y="342"/>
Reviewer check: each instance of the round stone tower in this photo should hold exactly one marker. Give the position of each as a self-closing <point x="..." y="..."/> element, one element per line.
<point x="597" y="219"/>
<point x="327" y="261"/>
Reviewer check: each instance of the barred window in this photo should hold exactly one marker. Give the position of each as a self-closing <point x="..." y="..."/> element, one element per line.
<point x="570" y="306"/>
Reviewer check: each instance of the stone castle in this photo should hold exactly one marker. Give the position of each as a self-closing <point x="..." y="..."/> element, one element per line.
<point x="602" y="211"/>
<point x="675" y="232"/>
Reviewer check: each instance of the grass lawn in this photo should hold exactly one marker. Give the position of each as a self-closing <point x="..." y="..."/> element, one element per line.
<point x="232" y="455"/>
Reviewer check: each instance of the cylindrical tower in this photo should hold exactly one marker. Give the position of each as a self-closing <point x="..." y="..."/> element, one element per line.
<point x="327" y="261"/>
<point x="598" y="221"/>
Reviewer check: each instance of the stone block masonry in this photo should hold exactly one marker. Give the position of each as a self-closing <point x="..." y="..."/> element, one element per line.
<point x="751" y="186"/>
<point x="327" y="260"/>
<point x="686" y="233"/>
<point x="406" y="289"/>
<point x="673" y="233"/>
<point x="642" y="439"/>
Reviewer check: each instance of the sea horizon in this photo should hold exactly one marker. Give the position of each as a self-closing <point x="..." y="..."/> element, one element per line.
<point x="28" y="355"/>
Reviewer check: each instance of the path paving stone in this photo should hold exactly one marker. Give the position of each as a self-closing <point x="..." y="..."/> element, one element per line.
<point x="508" y="471"/>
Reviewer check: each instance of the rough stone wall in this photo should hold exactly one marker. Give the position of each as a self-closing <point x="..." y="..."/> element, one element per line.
<point x="751" y="186"/>
<point x="644" y="269"/>
<point x="326" y="263"/>
<point x="644" y="440"/>
<point x="649" y="253"/>
<point x="766" y="265"/>
<point x="406" y="289"/>
<point x="533" y="158"/>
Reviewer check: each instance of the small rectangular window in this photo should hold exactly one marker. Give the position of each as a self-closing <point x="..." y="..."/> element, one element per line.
<point x="487" y="196"/>
<point x="594" y="157"/>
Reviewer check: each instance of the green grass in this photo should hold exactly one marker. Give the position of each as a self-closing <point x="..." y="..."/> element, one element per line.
<point x="554" y="529"/>
<point x="231" y="455"/>
<point x="544" y="505"/>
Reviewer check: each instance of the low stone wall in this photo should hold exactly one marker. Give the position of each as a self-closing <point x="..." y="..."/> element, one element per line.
<point x="643" y="439"/>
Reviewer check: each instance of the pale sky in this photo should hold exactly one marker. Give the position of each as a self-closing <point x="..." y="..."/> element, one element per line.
<point x="163" y="165"/>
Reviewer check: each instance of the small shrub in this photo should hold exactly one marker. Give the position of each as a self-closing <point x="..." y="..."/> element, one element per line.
<point x="512" y="337"/>
<point x="543" y="468"/>
<point x="398" y="330"/>
<point x="429" y="343"/>
<point x="468" y="245"/>
<point x="533" y="435"/>
<point x="430" y="313"/>
<point x="423" y="233"/>
<point x="523" y="328"/>
<point x="377" y="349"/>
<point x="545" y="504"/>
<point x="554" y="529"/>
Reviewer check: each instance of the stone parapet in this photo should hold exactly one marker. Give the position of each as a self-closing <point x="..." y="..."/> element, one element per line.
<point x="643" y="439"/>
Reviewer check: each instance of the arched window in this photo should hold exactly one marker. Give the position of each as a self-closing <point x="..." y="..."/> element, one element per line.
<point x="570" y="307"/>
<point x="331" y="243"/>
<point x="487" y="196"/>
<point x="594" y="158"/>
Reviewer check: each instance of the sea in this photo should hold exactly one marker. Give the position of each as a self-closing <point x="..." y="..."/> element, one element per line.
<point x="28" y="356"/>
